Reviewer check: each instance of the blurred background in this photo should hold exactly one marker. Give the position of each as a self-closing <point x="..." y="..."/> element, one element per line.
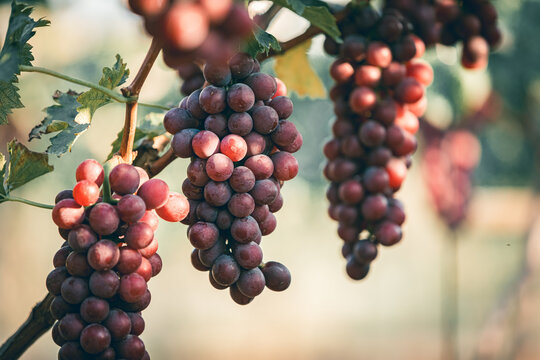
<point x="485" y="220"/>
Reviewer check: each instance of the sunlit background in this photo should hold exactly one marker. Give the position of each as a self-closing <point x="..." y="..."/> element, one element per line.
<point x="396" y="312"/>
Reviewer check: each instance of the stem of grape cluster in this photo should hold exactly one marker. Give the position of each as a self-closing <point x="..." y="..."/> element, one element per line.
<point x="132" y="91"/>
<point x="449" y="298"/>
<point x="27" y="202"/>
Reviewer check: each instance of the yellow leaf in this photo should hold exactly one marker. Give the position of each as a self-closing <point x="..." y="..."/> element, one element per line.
<point x="294" y="69"/>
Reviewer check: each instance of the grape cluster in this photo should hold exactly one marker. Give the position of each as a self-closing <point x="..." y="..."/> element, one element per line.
<point x="448" y="163"/>
<point x="236" y="132"/>
<point x="101" y="271"/>
<point x="474" y="22"/>
<point x="378" y="97"/>
<point x="195" y="30"/>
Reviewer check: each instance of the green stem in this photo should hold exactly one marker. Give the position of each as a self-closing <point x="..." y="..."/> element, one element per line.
<point x="114" y="95"/>
<point x="107" y="196"/>
<point x="154" y="106"/>
<point x="27" y="202"/>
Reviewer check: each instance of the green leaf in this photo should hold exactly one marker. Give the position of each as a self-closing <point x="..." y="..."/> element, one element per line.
<point x="149" y="128"/>
<point x="72" y="113"/>
<point x="23" y="166"/>
<point x="63" y="118"/>
<point x="316" y="12"/>
<point x="294" y="69"/>
<point x="9" y="99"/>
<point x="15" y="51"/>
<point x="112" y="78"/>
<point x="261" y="41"/>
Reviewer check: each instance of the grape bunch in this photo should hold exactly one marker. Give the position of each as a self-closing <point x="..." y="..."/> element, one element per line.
<point x="195" y="30"/>
<point x="474" y="22"/>
<point x="101" y="271"/>
<point x="236" y="132"/>
<point x="378" y="97"/>
<point x="448" y="163"/>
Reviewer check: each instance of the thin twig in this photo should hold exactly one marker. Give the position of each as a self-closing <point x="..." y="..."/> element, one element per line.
<point x="27" y="202"/>
<point x="37" y="323"/>
<point x="133" y="90"/>
<point x="112" y="94"/>
<point x="311" y="32"/>
<point x="157" y="166"/>
<point x="265" y="19"/>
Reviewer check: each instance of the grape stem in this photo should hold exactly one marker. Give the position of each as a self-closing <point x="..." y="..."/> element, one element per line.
<point x="311" y="32"/>
<point x="112" y="94"/>
<point x="265" y="19"/>
<point x="161" y="163"/>
<point x="25" y="201"/>
<point x="37" y="323"/>
<point x="132" y="92"/>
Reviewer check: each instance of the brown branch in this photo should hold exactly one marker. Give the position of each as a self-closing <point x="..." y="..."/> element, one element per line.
<point x="265" y="19"/>
<point x="311" y="32"/>
<point x="135" y="87"/>
<point x="39" y="321"/>
<point x="133" y="90"/>
<point x="161" y="163"/>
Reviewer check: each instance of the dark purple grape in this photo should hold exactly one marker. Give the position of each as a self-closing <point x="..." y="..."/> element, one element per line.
<point x="194" y="107"/>
<point x="130" y="348"/>
<point x="388" y="233"/>
<point x="70" y="326"/>
<point x="196" y="261"/>
<point x="241" y="65"/>
<point x="355" y="270"/>
<point x="224" y="219"/>
<point x="77" y="265"/>
<point x="203" y="235"/>
<point x="251" y="282"/>
<point x="59" y="307"/>
<point x="181" y="143"/>
<point x="196" y="172"/>
<point x="137" y="324"/>
<point x="104" y="284"/>
<point x="241" y="205"/>
<point x="240" y="123"/>
<point x="242" y="179"/>
<point x="265" y="119"/>
<point x="208" y="256"/>
<point x="104" y="219"/>
<point x="178" y="119"/>
<point x="74" y="290"/>
<point x="240" y="97"/>
<point x="64" y="194"/>
<point x="374" y="207"/>
<point x="216" y="123"/>
<point x="248" y="255"/>
<point x="225" y="270"/>
<point x="213" y="99"/>
<point x="124" y="179"/>
<point x="94" y="310"/>
<point x="263" y="85"/>
<point x="81" y="237"/>
<point x="206" y="212"/>
<point x="264" y="192"/>
<point x="217" y="73"/>
<point x="131" y="208"/>
<point x="55" y="279"/>
<point x="217" y="193"/>
<point x="103" y="255"/>
<point x="56" y="336"/>
<point x="277" y="276"/>
<point x="238" y="297"/>
<point x="364" y="251"/>
<point x="245" y="230"/>
<point x="71" y="350"/>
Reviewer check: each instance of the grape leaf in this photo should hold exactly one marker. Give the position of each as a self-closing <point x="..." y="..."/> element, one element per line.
<point x="149" y="128"/>
<point x="261" y="42"/>
<point x="15" y="51"/>
<point x="112" y="78"/>
<point x="73" y="112"/>
<point x="23" y="166"/>
<point x="316" y="12"/>
<point x="294" y="69"/>
<point x="63" y="118"/>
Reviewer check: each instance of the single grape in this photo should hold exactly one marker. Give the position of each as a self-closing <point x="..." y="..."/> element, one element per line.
<point x="155" y="193"/>
<point x="131" y="208"/>
<point x="251" y="282"/>
<point x="104" y="219"/>
<point x="124" y="179"/>
<point x="175" y="209"/>
<point x="277" y="276"/>
<point x="94" y="310"/>
<point x="67" y="214"/>
<point x="103" y="255"/>
<point x="225" y="270"/>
